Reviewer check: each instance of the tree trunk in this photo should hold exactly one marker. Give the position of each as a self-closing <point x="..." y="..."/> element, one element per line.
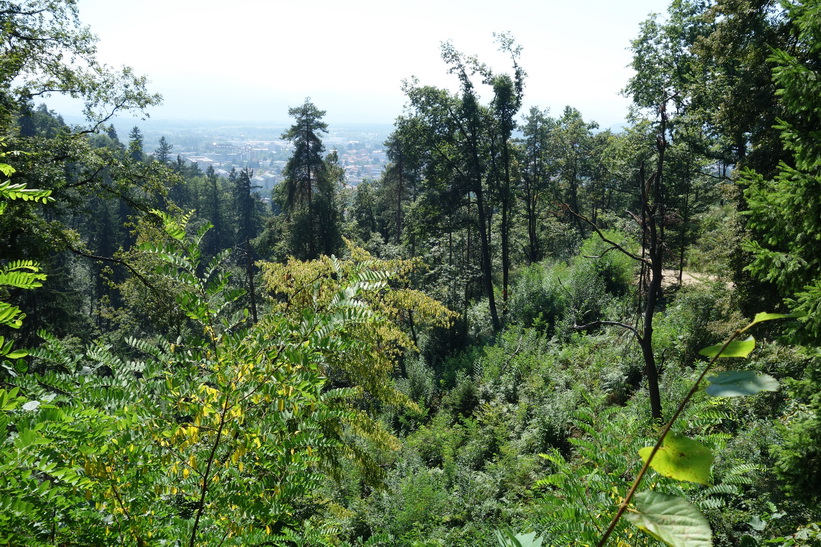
<point x="249" y="269"/>
<point x="399" y="203"/>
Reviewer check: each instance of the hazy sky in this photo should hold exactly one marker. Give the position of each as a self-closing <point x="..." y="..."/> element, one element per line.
<point x="249" y="60"/>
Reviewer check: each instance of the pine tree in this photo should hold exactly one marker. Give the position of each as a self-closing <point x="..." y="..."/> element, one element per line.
<point x="163" y="152"/>
<point x="135" y="144"/>
<point x="308" y="193"/>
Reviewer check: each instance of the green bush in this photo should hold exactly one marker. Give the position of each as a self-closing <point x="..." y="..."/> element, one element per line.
<point x="537" y="298"/>
<point x="614" y="268"/>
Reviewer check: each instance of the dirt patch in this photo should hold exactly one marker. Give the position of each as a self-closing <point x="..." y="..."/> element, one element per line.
<point x="670" y="279"/>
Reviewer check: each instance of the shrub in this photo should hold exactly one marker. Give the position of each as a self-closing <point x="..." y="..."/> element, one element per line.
<point x="537" y="297"/>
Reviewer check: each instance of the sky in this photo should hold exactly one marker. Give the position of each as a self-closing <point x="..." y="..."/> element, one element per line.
<point x="250" y="60"/>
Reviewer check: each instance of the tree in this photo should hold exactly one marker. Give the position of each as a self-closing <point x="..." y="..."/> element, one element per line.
<point x="398" y="184"/>
<point x="37" y="38"/>
<point x="302" y="176"/>
<point x="507" y="100"/>
<point x="247" y="226"/>
<point x="135" y="144"/>
<point x="363" y="210"/>
<point x="45" y="49"/>
<point x="573" y="140"/>
<point x="163" y="152"/>
<point x="466" y="148"/>
<point x="537" y="171"/>
<point x="212" y="210"/>
<point x="731" y="92"/>
<point x="332" y="178"/>
<point x="663" y="63"/>
<point x="785" y="239"/>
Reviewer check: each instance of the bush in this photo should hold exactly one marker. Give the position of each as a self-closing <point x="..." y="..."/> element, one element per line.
<point x="614" y="268"/>
<point x="537" y="298"/>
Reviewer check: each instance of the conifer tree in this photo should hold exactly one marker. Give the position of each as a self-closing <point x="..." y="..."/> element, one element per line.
<point x="308" y="192"/>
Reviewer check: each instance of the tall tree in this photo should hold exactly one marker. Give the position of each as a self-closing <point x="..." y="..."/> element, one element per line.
<point x="573" y="139"/>
<point x="399" y="182"/>
<point x="306" y="192"/>
<point x="507" y="100"/>
<point x="536" y="174"/>
<point x="245" y="205"/>
<point x="732" y="94"/>
<point x="331" y="179"/>
<point x="135" y="144"/>
<point x="37" y="38"/>
<point x="212" y="209"/>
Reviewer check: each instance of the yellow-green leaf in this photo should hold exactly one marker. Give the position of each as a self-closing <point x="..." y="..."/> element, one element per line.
<point x="736" y="348"/>
<point x="682" y="459"/>
<point x="764" y="316"/>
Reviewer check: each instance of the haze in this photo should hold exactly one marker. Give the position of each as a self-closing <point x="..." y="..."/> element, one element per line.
<point x="249" y="60"/>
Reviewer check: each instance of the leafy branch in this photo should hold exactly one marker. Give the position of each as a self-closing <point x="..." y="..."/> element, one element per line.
<point x="685" y="459"/>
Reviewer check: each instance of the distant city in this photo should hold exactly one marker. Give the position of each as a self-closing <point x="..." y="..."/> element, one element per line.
<point x="225" y="146"/>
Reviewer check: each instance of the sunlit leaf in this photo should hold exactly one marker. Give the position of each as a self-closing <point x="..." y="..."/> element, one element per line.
<point x="764" y="316"/>
<point x="737" y="383"/>
<point x="671" y="519"/>
<point x="736" y="348"/>
<point x="682" y="459"/>
<point x="31" y="405"/>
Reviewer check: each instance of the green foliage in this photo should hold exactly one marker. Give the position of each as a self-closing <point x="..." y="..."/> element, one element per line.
<point x="222" y="433"/>
<point x="798" y="458"/>
<point x="737" y="383"/>
<point x="674" y="520"/>
<point x="682" y="459"/>
<point x="615" y="269"/>
<point x="787" y="253"/>
<point x="9" y="191"/>
<point x="578" y="491"/>
<point x="21" y="274"/>
<point x="340" y="417"/>
<point x="537" y="296"/>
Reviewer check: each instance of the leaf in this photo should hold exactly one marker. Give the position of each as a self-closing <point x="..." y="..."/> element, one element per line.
<point x="31" y="405"/>
<point x="738" y="383"/>
<point x="671" y="519"/>
<point x="764" y="316"/>
<point x="682" y="459"/>
<point x="736" y="348"/>
<point x="508" y="538"/>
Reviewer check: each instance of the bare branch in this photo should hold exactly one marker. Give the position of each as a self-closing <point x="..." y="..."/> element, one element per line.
<point x="604" y="237"/>
<point x="601" y="255"/>
<point x="635" y="217"/>
<point x="113" y="260"/>
<point x="614" y="323"/>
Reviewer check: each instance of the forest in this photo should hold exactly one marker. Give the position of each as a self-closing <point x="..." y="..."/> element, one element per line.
<point x="526" y="331"/>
